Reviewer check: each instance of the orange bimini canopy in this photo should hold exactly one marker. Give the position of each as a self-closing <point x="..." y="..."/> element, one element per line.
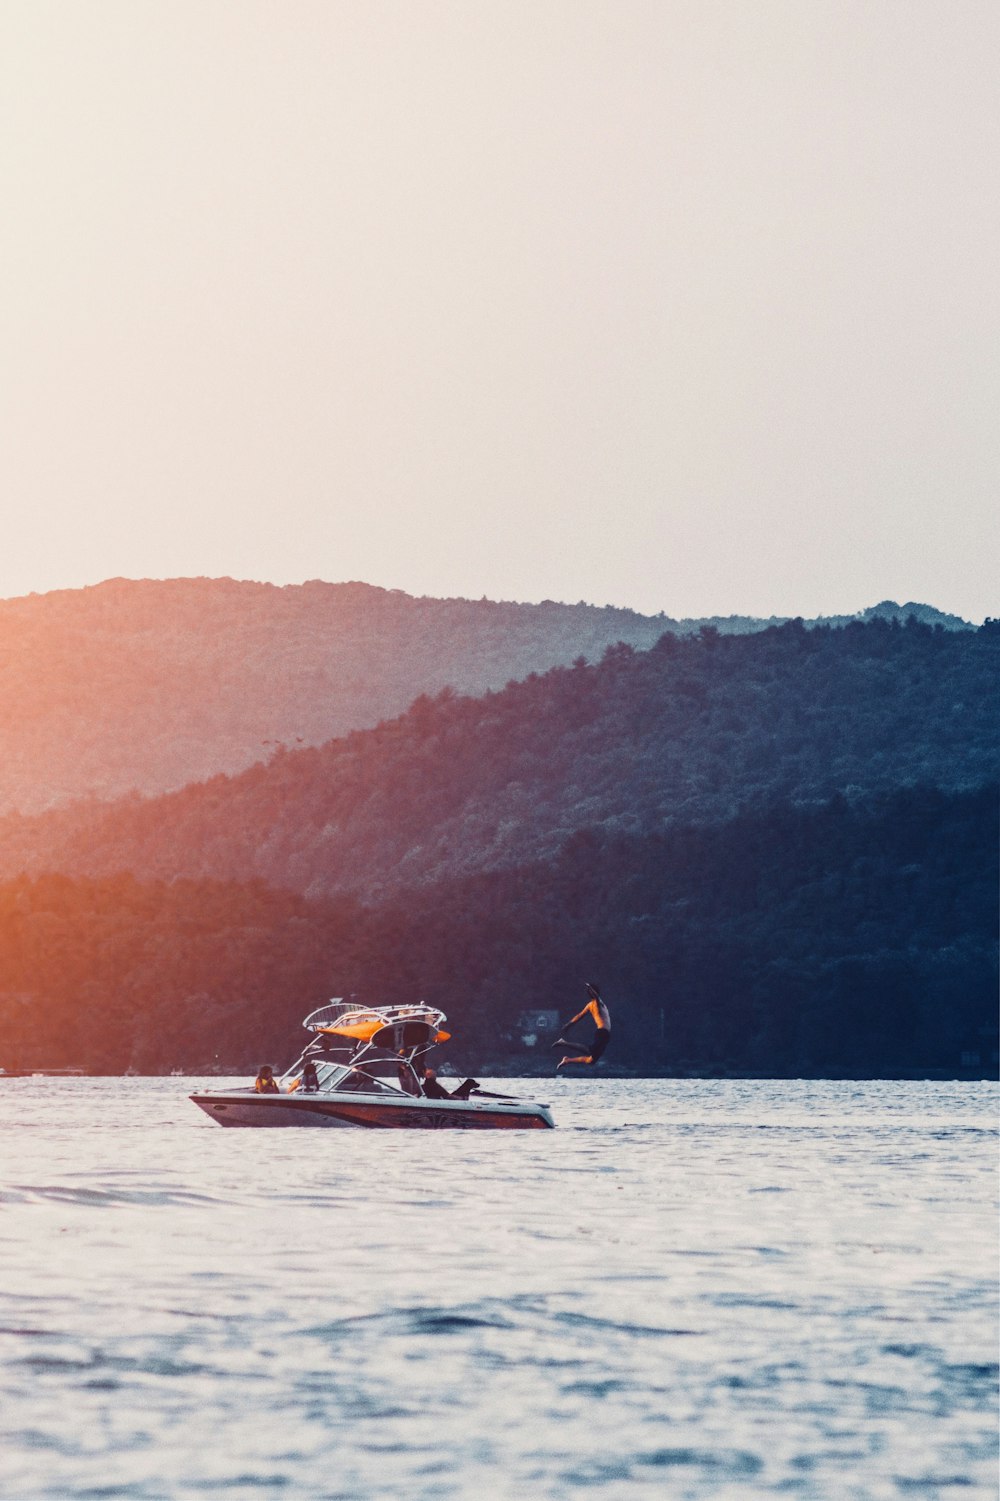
<point x="400" y="1034"/>
<point x="384" y="1026"/>
<point x="360" y="1028"/>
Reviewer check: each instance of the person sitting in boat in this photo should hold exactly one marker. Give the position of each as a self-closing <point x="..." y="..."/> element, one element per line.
<point x="265" y="1082"/>
<point x="435" y="1091"/>
<point x="596" y="1008"/>
<point x="310" y="1078"/>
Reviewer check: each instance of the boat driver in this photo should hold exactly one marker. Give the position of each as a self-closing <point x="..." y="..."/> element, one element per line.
<point x="435" y="1091"/>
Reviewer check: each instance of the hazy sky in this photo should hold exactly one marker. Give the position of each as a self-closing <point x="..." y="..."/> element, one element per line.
<point x="687" y="305"/>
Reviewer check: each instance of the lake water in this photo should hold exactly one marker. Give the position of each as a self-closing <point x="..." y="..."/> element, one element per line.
<point x="690" y="1289"/>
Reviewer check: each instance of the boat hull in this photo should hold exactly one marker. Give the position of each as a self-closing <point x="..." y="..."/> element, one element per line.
<point x="373" y="1112"/>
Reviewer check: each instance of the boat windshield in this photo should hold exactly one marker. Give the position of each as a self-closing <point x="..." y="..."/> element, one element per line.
<point x="342" y="1078"/>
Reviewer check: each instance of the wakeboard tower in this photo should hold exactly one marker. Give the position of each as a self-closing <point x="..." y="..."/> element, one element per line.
<point x="365" y="1062"/>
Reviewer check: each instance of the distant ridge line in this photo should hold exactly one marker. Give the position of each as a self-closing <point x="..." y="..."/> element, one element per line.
<point x="357" y="588"/>
<point x="149" y="685"/>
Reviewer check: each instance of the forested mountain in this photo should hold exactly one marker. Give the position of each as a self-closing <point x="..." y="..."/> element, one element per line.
<point x="153" y="684"/>
<point x="776" y="852"/>
<point x="693" y="731"/>
<point x="846" y="938"/>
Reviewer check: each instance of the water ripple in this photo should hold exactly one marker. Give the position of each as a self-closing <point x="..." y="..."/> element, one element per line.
<point x="691" y="1289"/>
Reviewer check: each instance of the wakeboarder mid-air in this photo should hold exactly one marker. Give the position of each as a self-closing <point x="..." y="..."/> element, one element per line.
<point x="602" y="1020"/>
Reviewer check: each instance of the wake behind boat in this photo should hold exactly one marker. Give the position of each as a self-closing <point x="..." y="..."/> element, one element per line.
<point x="360" y="1070"/>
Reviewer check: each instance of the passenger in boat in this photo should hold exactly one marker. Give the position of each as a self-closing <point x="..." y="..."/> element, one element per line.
<point x="310" y="1078"/>
<point x="265" y="1082"/>
<point x="435" y="1091"/>
<point x="431" y="1088"/>
<point x="596" y="1008"/>
<point x="408" y="1081"/>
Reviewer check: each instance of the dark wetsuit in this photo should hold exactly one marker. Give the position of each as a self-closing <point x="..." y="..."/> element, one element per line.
<point x="601" y="1038"/>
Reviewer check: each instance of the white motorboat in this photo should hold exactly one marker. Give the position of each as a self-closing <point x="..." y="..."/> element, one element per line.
<point x="360" y="1069"/>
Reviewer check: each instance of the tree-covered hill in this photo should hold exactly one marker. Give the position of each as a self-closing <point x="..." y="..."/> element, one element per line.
<point x="153" y="684"/>
<point x="834" y="939"/>
<point x="693" y="731"/>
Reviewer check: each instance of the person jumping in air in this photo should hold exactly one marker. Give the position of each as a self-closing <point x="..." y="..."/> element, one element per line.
<point x="602" y="1020"/>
